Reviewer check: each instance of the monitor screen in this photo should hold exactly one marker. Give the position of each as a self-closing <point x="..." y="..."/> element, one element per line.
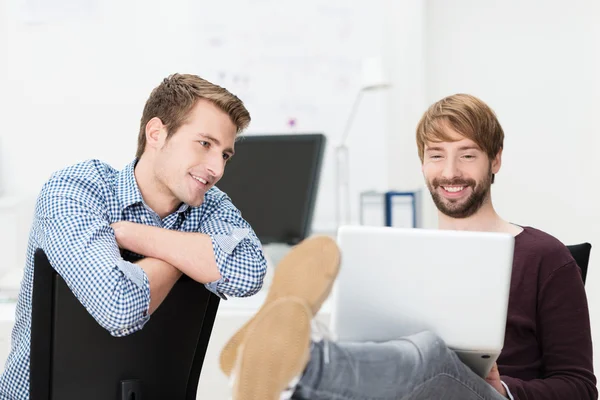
<point x="273" y="181"/>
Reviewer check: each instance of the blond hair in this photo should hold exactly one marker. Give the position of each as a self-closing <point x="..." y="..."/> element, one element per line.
<point x="173" y="99"/>
<point x="465" y="114"/>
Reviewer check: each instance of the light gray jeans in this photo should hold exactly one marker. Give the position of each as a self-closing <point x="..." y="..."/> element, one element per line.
<point x="416" y="367"/>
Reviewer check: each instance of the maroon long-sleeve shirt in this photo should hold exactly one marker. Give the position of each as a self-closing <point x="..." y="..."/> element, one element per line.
<point x="548" y="347"/>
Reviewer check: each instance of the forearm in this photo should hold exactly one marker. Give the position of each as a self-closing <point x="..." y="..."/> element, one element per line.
<point x="564" y="387"/>
<point x="161" y="276"/>
<point x="190" y="253"/>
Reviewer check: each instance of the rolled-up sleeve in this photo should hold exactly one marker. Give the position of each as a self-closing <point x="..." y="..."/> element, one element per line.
<point x="238" y="252"/>
<point x="80" y="244"/>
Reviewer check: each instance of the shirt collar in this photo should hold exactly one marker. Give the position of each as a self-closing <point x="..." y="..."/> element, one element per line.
<point x="127" y="190"/>
<point x="183" y="207"/>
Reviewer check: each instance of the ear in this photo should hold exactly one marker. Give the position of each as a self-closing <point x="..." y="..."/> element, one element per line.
<point x="497" y="162"/>
<point x="156" y="133"/>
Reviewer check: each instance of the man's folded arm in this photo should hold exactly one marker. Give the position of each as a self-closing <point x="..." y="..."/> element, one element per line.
<point x="80" y="245"/>
<point x="224" y="253"/>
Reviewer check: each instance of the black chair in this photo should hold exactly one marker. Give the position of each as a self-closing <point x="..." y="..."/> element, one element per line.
<point x="74" y="358"/>
<point x="581" y="254"/>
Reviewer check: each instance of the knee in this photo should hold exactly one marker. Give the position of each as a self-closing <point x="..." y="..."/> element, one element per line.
<point x="432" y="349"/>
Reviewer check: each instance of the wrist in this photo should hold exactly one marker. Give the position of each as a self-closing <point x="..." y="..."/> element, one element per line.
<point x="128" y="236"/>
<point x="505" y="391"/>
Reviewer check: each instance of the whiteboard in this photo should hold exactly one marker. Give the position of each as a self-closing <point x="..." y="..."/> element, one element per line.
<point x="297" y="65"/>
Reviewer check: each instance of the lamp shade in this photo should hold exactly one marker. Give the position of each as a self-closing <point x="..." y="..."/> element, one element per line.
<point x="373" y="74"/>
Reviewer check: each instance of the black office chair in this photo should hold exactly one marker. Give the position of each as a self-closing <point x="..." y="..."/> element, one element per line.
<point x="581" y="254"/>
<point x="74" y="358"/>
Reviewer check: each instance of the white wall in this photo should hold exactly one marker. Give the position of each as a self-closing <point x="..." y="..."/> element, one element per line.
<point x="537" y="64"/>
<point x="405" y="45"/>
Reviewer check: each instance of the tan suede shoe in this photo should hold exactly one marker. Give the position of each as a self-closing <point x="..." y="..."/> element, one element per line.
<point x="306" y="272"/>
<point x="275" y="350"/>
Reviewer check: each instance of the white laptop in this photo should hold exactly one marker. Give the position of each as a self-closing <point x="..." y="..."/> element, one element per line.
<point x="395" y="282"/>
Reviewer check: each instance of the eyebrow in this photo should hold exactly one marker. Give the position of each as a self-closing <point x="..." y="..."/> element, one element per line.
<point x="463" y="148"/>
<point x="216" y="141"/>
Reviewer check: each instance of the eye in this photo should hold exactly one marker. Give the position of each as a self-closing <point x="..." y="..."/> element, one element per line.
<point x="469" y="156"/>
<point x="204" y="143"/>
<point x="226" y="157"/>
<point x="435" y="157"/>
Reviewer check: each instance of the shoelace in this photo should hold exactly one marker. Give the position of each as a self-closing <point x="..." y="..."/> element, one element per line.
<point x="321" y="333"/>
<point x="289" y="391"/>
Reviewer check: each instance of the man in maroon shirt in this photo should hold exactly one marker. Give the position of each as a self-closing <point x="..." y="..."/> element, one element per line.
<point x="547" y="352"/>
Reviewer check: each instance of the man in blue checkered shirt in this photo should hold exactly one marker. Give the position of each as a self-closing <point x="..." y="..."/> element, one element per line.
<point x="163" y="209"/>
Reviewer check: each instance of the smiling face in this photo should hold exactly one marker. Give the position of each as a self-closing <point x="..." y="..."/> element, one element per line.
<point x="458" y="174"/>
<point x="460" y="142"/>
<point x="192" y="160"/>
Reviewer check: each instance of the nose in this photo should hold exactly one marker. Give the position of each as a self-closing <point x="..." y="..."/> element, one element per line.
<point x="216" y="166"/>
<point x="450" y="169"/>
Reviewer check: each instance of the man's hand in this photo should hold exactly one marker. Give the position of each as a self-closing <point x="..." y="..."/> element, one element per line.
<point x="122" y="232"/>
<point x="493" y="379"/>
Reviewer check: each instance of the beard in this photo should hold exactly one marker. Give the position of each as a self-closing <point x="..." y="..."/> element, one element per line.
<point x="465" y="207"/>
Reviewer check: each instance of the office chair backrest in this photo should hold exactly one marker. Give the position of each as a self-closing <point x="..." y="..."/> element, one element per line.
<point x="74" y="358"/>
<point x="581" y="254"/>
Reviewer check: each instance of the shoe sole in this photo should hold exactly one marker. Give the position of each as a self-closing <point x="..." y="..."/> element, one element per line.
<point x="275" y="351"/>
<point x="307" y="272"/>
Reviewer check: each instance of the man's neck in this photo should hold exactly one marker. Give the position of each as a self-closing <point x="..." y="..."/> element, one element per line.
<point x="484" y="220"/>
<point x="155" y="195"/>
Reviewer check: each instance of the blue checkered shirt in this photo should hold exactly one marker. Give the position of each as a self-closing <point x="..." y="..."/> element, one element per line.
<point x="72" y="225"/>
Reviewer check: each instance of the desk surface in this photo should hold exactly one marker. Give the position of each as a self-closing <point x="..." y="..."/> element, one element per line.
<point x="232" y="306"/>
<point x="245" y="305"/>
<point x="7" y="311"/>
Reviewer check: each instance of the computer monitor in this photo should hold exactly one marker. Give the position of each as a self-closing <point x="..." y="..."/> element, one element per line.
<point x="273" y="181"/>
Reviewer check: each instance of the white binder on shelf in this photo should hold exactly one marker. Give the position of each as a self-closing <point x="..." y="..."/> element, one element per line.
<point x="372" y="208"/>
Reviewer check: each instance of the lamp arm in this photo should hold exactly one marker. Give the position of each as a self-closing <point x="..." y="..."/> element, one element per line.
<point x="342" y="181"/>
<point x="350" y="119"/>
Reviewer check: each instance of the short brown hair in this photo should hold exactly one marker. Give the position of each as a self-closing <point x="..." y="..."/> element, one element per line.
<point x="468" y="116"/>
<point x="173" y="99"/>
